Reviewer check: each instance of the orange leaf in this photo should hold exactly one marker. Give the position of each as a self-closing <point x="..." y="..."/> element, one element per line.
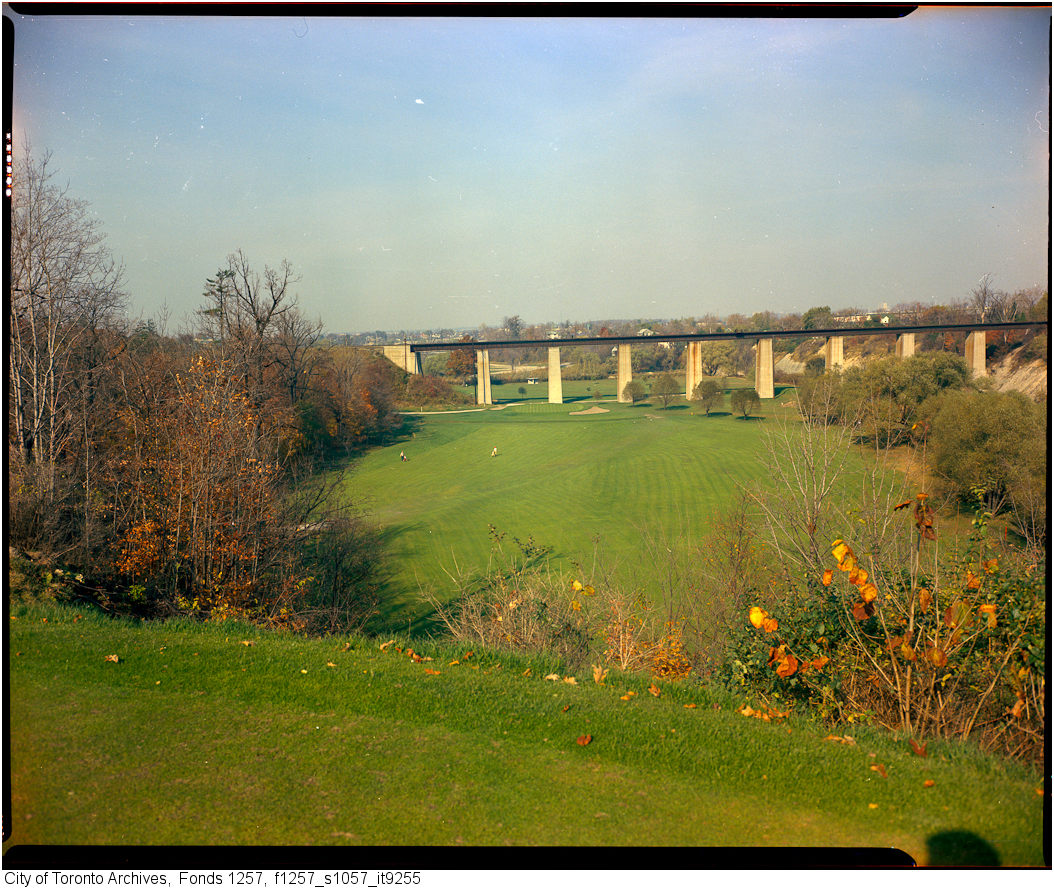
<point x="787" y="667"/>
<point x="928" y="783"/>
<point x="916" y="748"/>
<point x="936" y="656"/>
<point x="628" y="695"/>
<point x="862" y="610"/>
<point x="112" y="658"/>
<point x="827" y="575"/>
<point x="432" y="672"/>
<point x="839" y="550"/>
<point x="848" y="563"/>
<point x="858" y="576"/>
<point x="972" y="581"/>
<point x="770" y="625"/>
<point x="689" y="706"/>
<point x="868" y="592"/>
<point x="924" y="600"/>
<point x="584" y="740"/>
<point x="989" y="611"/>
<point x="903" y="505"/>
<point x="654" y="691"/>
<point x="568" y="706"/>
<point x="881" y="769"/>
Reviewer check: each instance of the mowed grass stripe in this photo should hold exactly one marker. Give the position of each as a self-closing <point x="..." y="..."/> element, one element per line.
<point x="557" y="478"/>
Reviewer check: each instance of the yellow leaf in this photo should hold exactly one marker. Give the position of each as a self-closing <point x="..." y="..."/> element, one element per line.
<point x="552" y="676"/>
<point x="599" y="674"/>
<point x="303" y="672"/>
<point x="989" y="611"/>
<point x="628" y="695"/>
<point x="868" y="592"/>
<point x="589" y="590"/>
<point x="247" y="643"/>
<point x="757" y="616"/>
<point x="112" y="658"/>
<point x="570" y="679"/>
<point x="839" y="550"/>
<point x="387" y="645"/>
<point x="827" y="576"/>
<point x="432" y="672"/>
<point x="576" y="586"/>
<point x="458" y="662"/>
<point x="332" y="665"/>
<point x="576" y="606"/>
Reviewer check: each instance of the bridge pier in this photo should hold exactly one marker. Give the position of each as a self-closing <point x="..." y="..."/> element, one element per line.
<point x="975" y="346"/>
<point x="764" y="371"/>
<point x="833" y="352"/>
<point x="403" y="356"/>
<point x="556" y="384"/>
<point x="905" y="347"/>
<point x="693" y="365"/>
<point x="625" y="372"/>
<point x="483" y="395"/>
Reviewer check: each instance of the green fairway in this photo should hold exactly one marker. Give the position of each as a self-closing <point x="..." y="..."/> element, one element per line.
<point x="221" y="734"/>
<point x="560" y="478"/>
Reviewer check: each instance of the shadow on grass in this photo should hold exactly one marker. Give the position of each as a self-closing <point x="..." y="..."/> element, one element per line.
<point x="716" y="413"/>
<point x="960" y="848"/>
<point x="750" y="418"/>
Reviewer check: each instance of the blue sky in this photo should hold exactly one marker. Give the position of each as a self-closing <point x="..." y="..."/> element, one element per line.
<point x="448" y="172"/>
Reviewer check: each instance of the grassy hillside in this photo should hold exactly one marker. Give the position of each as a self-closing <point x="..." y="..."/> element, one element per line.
<point x="562" y="479"/>
<point x="181" y="733"/>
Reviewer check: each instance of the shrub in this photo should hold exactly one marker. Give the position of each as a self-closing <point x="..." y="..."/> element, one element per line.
<point x="708" y="393"/>
<point x="745" y="401"/>
<point x="634" y="390"/>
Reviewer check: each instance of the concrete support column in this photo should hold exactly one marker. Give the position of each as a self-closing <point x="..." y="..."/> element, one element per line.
<point x="975" y="344"/>
<point x="625" y="371"/>
<point x="556" y="385"/>
<point x="834" y="352"/>
<point x="905" y="345"/>
<point x="764" y="369"/>
<point x="483" y="377"/>
<point x="693" y="365"/>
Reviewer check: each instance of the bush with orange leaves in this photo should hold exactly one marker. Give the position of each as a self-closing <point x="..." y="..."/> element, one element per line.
<point x="941" y="647"/>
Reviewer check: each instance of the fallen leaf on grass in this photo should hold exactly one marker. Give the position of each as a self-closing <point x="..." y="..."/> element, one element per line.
<point x="332" y="665"/>
<point x="248" y="644"/>
<point x="927" y="783"/>
<point x="599" y="674"/>
<point x="880" y="768"/>
<point x="552" y="676"/>
<point x="527" y="671"/>
<point x="872" y="805"/>
<point x="570" y="680"/>
<point x="568" y="706"/>
<point x="845" y="739"/>
<point x="584" y="740"/>
<point x="689" y="706"/>
<point x="454" y="663"/>
<point x="628" y="694"/>
<point x="387" y="644"/>
<point x="918" y="750"/>
<point x="112" y="658"/>
<point x="432" y="672"/>
<point x="654" y="691"/>
<point x="303" y="672"/>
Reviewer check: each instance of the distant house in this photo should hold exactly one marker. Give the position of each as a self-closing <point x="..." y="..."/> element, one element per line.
<point x="532" y="381"/>
<point x="644" y="331"/>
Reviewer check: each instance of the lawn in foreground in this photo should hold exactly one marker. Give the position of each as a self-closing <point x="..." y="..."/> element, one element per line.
<point x="221" y="734"/>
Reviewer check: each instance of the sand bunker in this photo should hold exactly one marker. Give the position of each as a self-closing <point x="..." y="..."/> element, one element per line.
<point x="593" y="409"/>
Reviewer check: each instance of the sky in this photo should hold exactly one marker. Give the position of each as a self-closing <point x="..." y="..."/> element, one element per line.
<point x="447" y="172"/>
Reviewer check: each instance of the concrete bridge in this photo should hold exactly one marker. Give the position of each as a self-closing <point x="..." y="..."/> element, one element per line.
<point x="408" y="354"/>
